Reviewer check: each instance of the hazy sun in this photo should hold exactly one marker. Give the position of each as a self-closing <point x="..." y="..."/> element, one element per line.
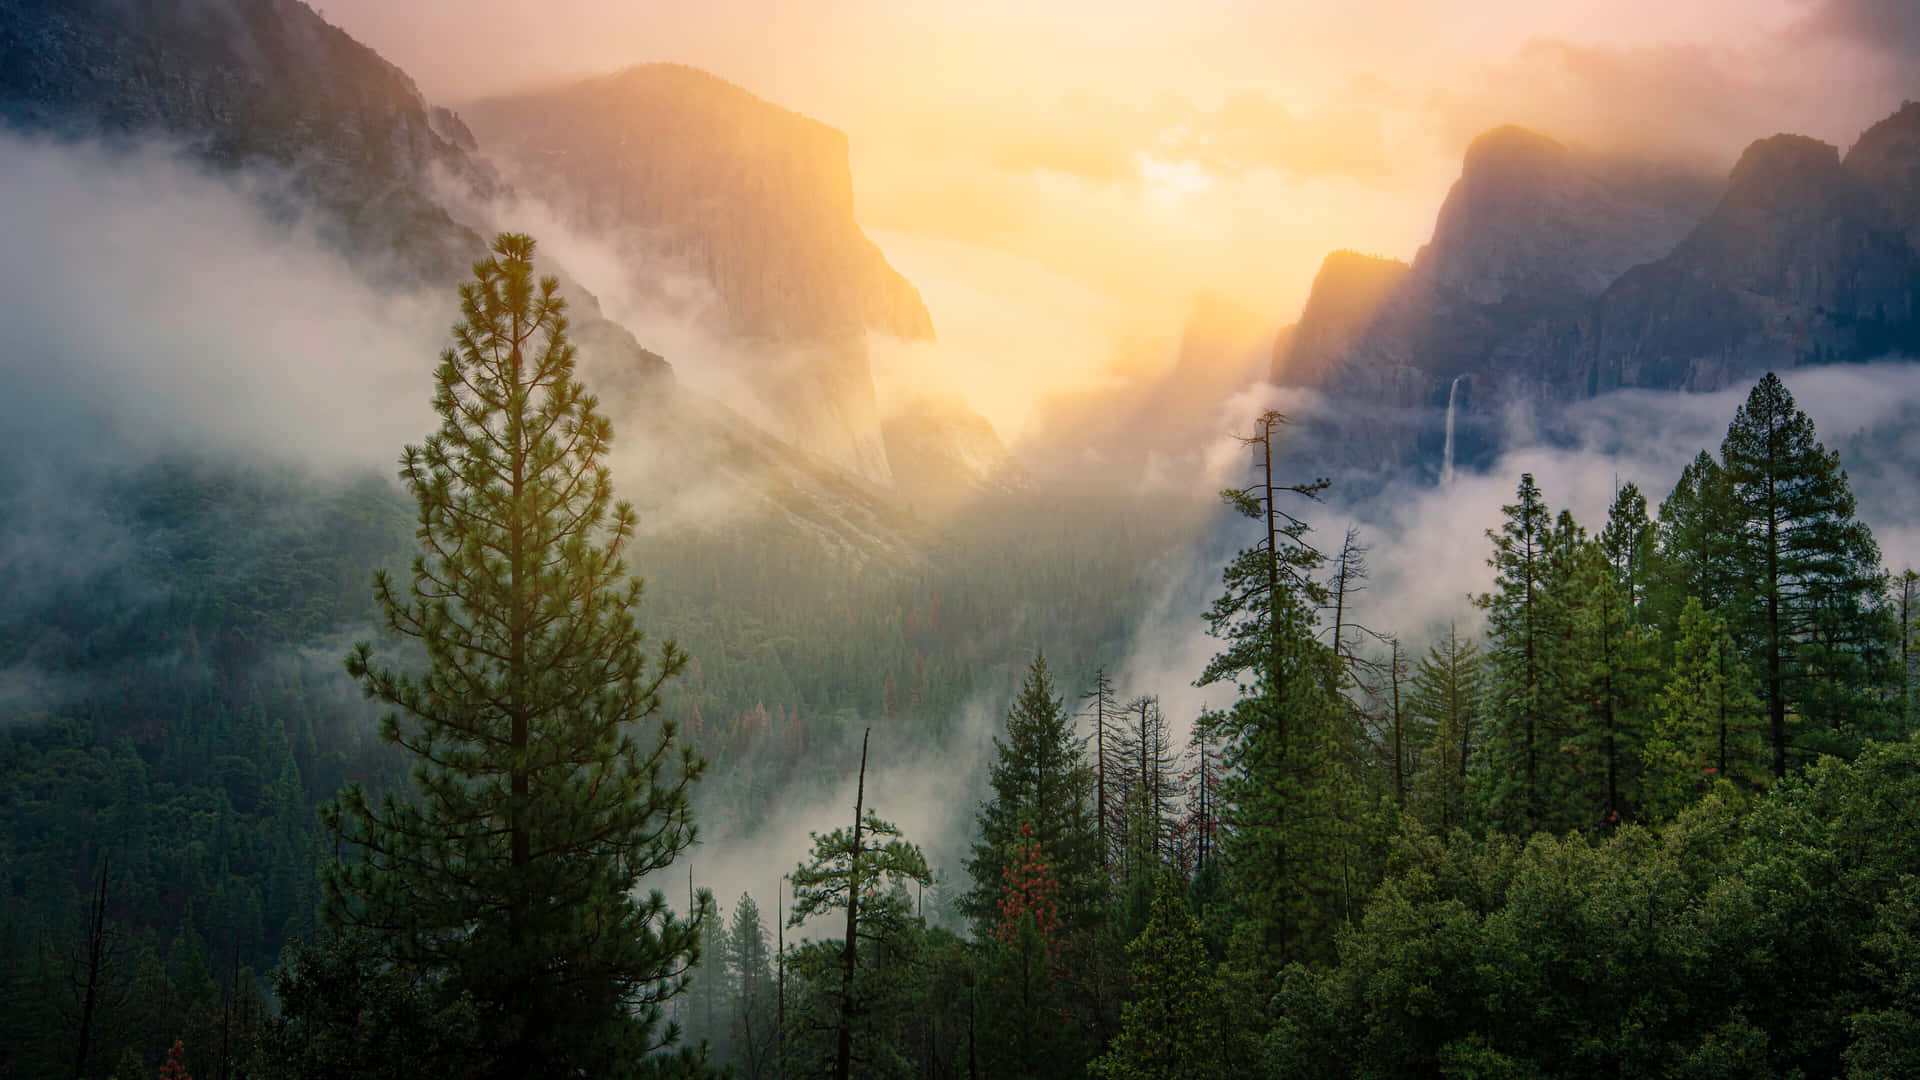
<point x="1171" y="181"/>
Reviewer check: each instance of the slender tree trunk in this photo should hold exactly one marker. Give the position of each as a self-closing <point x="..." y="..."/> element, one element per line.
<point x="520" y="843"/>
<point x="1399" y="730"/>
<point x="843" y="1055"/>
<point x="1610" y="657"/>
<point x="1101" y="691"/>
<point x="780" y="984"/>
<point x="1776" y="697"/>
<point x="96" y="959"/>
<point x="1532" y="693"/>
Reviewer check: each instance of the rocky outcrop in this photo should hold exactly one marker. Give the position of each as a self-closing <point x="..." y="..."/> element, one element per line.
<point x="248" y="83"/>
<point x="337" y="136"/>
<point x="1886" y="158"/>
<point x="749" y="197"/>
<point x="1347" y="295"/>
<point x="1554" y="276"/>
<point x="687" y="176"/>
<point x="1526" y="237"/>
<point x="1799" y="263"/>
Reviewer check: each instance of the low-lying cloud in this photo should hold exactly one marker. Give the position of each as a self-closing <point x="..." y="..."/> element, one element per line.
<point x="1428" y="543"/>
<point x="155" y="308"/>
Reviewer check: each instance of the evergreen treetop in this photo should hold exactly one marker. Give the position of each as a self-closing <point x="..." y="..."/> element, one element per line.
<point x="546" y="784"/>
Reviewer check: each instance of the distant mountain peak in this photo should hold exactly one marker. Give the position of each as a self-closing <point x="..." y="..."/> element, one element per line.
<point x="1886" y="158"/>
<point x="754" y="198"/>
<point x="1510" y="149"/>
<point x="1783" y="168"/>
<point x="1347" y="294"/>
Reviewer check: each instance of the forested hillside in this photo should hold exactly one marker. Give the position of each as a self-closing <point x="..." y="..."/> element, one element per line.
<point x="1639" y="825"/>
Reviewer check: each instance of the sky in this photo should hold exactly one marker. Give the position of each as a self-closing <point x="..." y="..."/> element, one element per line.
<point x="1151" y="152"/>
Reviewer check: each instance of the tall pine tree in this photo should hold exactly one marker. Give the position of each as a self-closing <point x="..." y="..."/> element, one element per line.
<point x="1707" y="725"/>
<point x="1808" y="578"/>
<point x="1446" y="691"/>
<point x="547" y="785"/>
<point x="1289" y="743"/>
<point x="1524" y="632"/>
<point x="1040" y="778"/>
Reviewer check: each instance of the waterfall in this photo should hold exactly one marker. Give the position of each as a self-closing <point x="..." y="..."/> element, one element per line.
<point x="1446" y="464"/>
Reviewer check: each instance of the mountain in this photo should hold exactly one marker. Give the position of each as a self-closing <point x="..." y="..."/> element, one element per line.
<point x="945" y="455"/>
<point x="249" y="83"/>
<point x="1886" y="158"/>
<point x="1529" y="232"/>
<point x="1800" y="262"/>
<point x="689" y="177"/>
<point x="1347" y="293"/>
<point x="752" y="198"/>
<point x="1554" y="275"/>
<point x="334" y="135"/>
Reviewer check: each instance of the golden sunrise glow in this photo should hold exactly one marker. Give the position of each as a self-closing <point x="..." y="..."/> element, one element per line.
<point x="1139" y="155"/>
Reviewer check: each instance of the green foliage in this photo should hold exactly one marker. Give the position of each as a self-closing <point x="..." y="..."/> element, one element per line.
<point x="1707" y="723"/>
<point x="1446" y="690"/>
<point x="1807" y="580"/>
<point x="348" y="1011"/>
<point x="1042" y="794"/>
<point x="1526" y="634"/>
<point x="1171" y="1026"/>
<point x="886" y="987"/>
<point x="1610" y="668"/>
<point x="1754" y="943"/>
<point x="752" y="1004"/>
<point x="1289" y="744"/>
<point x="547" y="787"/>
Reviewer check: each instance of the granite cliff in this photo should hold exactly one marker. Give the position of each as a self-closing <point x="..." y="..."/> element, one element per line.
<point x="1555" y="275"/>
<point x="330" y="133"/>
<point x="690" y="177"/>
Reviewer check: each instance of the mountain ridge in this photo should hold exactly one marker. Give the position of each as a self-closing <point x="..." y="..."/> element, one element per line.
<point x="269" y="84"/>
<point x="1554" y="276"/>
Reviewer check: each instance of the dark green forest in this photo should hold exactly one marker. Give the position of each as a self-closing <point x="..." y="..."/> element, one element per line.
<point x="1651" y="817"/>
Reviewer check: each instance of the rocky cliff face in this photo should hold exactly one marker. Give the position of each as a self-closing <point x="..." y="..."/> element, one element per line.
<point x="1554" y="276"/>
<point x="248" y="83"/>
<point x="1529" y="233"/>
<point x="1347" y="295"/>
<point x="1799" y="263"/>
<point x="748" y="196"/>
<point x="1886" y="158"/>
<point x="689" y="176"/>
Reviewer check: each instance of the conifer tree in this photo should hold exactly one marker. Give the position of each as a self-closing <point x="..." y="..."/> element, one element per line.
<point x="749" y="974"/>
<point x="1630" y="541"/>
<point x="1446" y="689"/>
<point x="1288" y="743"/>
<point x="1807" y="577"/>
<point x="547" y="784"/>
<point x="1040" y="777"/>
<point x="1030" y="1031"/>
<point x="1524" y="638"/>
<point x="1695" y="541"/>
<point x="1906" y="620"/>
<point x="1707" y="723"/>
<point x="1172" y="1026"/>
<point x="706" y="1008"/>
<point x="1105" y="715"/>
<point x="1611" y="670"/>
<point x="855" y="997"/>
